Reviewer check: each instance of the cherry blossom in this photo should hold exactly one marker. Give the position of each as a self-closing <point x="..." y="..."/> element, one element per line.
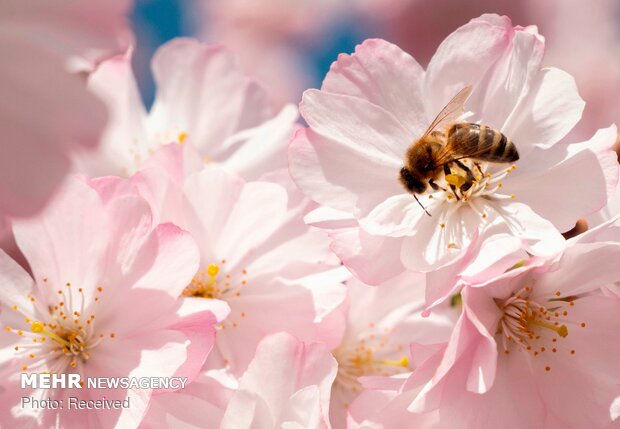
<point x="381" y="323"/>
<point x="256" y="253"/>
<point x="103" y="301"/>
<point x="258" y="258"/>
<point x="378" y="101"/>
<point x="535" y="346"/>
<point x="202" y="99"/>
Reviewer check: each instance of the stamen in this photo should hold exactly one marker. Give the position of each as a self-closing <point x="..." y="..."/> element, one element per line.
<point x="528" y="323"/>
<point x="561" y="330"/>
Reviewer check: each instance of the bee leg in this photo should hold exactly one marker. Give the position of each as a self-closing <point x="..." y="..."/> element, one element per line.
<point x="470" y="176"/>
<point x="446" y="171"/>
<point x="479" y="169"/>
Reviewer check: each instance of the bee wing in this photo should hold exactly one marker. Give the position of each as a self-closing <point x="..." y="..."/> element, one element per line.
<point x="451" y="111"/>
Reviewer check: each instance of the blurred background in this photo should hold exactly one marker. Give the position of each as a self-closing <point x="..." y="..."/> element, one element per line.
<point x="288" y="45"/>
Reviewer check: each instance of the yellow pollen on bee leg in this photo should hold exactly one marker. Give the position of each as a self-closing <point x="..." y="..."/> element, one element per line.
<point x="456" y="180"/>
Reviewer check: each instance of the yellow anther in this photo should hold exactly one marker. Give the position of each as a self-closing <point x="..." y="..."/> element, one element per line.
<point x="14" y="307"/>
<point x="404" y="362"/>
<point x="213" y="269"/>
<point x="562" y="330"/>
<point x="37" y="327"/>
<point x="182" y="138"/>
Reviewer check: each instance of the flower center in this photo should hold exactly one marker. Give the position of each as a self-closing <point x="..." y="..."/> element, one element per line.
<point x="536" y="328"/>
<point x="469" y="179"/>
<point x="464" y="183"/>
<point x="206" y="284"/>
<point x="369" y="356"/>
<point x="60" y="335"/>
<point x="212" y="283"/>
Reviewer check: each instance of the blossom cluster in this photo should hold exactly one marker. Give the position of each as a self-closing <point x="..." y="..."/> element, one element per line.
<point x="276" y="258"/>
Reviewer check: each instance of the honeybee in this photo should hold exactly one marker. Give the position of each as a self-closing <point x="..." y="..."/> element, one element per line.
<point x="445" y="143"/>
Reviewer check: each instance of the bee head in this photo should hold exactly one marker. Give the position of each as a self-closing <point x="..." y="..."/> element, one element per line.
<point x="410" y="182"/>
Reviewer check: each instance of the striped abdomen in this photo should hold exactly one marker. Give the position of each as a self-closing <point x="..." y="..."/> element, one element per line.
<point x="467" y="140"/>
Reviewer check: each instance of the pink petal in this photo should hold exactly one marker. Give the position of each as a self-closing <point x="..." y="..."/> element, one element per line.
<point x="397" y="216"/>
<point x="357" y="124"/>
<point x="384" y="75"/>
<point x="15" y="285"/>
<point x="316" y="165"/>
<point x="125" y="143"/>
<point x="267" y="202"/>
<point x="464" y="58"/>
<point x="89" y="29"/>
<point x="31" y="170"/>
<point x="67" y="242"/>
<point x="372" y="259"/>
<point x="539" y="235"/>
<point x="203" y="93"/>
<point x="173" y="257"/>
<point x="432" y="246"/>
<point x="565" y="192"/>
<point x="288" y="305"/>
<point x="580" y="269"/>
<point x="512" y="76"/>
<point x="551" y="109"/>
<point x="281" y="368"/>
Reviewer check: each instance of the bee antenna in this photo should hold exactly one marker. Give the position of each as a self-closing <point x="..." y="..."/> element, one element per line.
<point x="425" y="211"/>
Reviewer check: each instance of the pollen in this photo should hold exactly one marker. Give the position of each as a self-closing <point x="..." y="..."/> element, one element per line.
<point x="182" y="137"/>
<point x="37" y="327"/>
<point x="371" y="355"/>
<point x="213" y="270"/>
